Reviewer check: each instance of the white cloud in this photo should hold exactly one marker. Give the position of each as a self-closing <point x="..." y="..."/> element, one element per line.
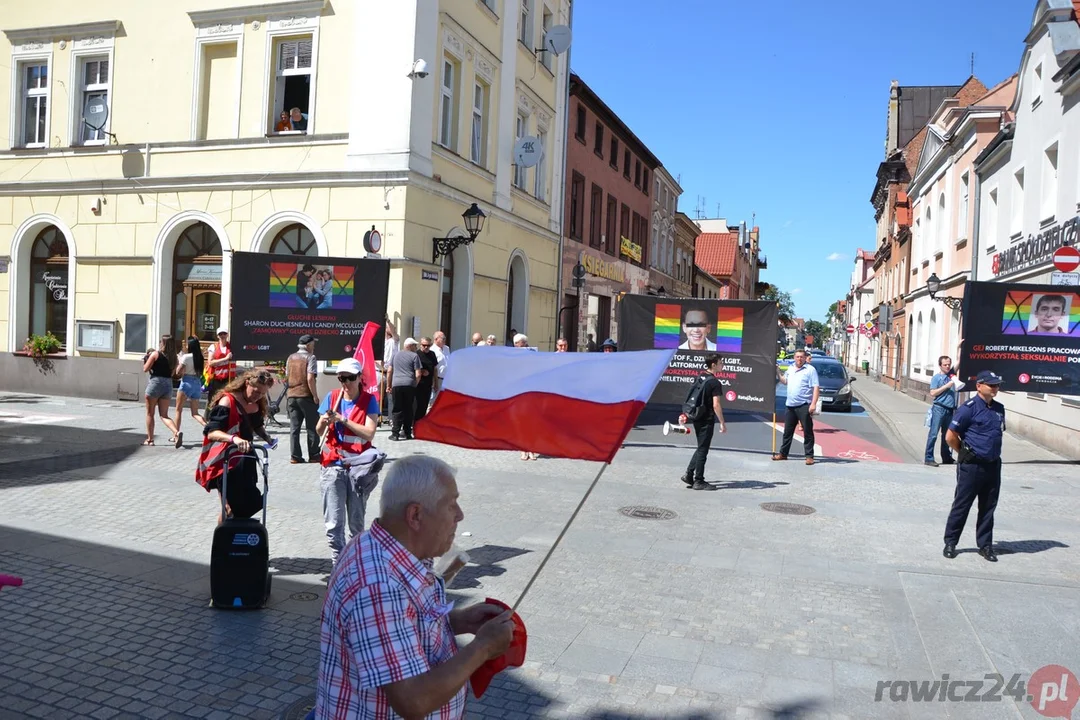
<point x="796" y="291"/>
<point x="836" y="256"/>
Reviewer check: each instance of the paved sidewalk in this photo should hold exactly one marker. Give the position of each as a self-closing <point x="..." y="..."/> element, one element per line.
<point x="720" y="609"/>
<point x="902" y="416"/>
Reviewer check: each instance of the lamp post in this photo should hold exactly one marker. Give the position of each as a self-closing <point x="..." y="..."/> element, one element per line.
<point x="933" y="286"/>
<point x="474" y="223"/>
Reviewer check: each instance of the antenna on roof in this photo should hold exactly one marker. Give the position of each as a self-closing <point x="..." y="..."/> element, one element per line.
<point x="973" y="64"/>
<point x="717" y="209"/>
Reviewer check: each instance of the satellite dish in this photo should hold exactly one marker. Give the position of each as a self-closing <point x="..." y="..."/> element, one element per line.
<point x="557" y="39"/>
<point x="527" y="151"/>
<point x="96" y="112"/>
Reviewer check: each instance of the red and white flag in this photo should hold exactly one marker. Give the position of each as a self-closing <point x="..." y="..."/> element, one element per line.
<point x="570" y="405"/>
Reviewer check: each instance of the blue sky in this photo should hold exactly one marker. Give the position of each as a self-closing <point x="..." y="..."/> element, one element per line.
<point x="779" y="108"/>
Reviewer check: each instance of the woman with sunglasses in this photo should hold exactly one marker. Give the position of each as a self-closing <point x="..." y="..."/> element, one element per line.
<point x="347" y="424"/>
<point x="236" y="417"/>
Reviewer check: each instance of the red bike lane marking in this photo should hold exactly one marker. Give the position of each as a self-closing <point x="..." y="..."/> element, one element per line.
<point x="835" y="442"/>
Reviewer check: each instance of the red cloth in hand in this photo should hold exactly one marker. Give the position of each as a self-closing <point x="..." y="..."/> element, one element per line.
<point x="513" y="657"/>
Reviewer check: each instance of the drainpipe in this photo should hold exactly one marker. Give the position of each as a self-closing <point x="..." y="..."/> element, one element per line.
<point x="562" y="189"/>
<point x="975" y="227"/>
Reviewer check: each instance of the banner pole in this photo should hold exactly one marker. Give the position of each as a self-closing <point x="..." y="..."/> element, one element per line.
<point x="559" y="539"/>
<point x="773" y="432"/>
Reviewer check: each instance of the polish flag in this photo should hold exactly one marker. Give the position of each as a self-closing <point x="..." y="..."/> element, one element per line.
<point x="570" y="405"/>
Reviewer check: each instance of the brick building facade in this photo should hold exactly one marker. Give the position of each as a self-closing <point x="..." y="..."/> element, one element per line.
<point x="609" y="176"/>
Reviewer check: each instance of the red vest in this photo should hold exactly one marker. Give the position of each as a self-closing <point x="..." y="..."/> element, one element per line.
<point x="212" y="457"/>
<point x="221" y="372"/>
<point x="346" y="442"/>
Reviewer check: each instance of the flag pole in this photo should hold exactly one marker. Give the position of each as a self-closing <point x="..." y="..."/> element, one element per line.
<point x="559" y="539"/>
<point x="773" y="433"/>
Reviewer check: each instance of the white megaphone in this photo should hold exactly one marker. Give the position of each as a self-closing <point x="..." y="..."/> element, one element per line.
<point x="677" y="429"/>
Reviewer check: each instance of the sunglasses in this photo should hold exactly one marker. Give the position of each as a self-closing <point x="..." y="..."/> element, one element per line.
<point x="264" y="378"/>
<point x="424" y="345"/>
<point x="696" y="324"/>
<point x="346" y="378"/>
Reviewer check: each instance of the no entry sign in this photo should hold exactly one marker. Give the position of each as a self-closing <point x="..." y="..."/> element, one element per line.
<point x="850" y="329"/>
<point x="1066" y="258"/>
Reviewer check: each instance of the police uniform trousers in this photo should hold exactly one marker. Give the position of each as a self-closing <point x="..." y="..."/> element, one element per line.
<point x="981" y="480"/>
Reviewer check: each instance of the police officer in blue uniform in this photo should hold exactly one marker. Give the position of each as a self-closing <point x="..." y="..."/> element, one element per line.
<point x="975" y="436"/>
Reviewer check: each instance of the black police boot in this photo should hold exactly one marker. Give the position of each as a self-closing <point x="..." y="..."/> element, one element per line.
<point x="988" y="553"/>
<point x="949" y="551"/>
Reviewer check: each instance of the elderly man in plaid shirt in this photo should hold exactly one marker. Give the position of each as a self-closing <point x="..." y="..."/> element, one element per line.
<point x="387" y="645"/>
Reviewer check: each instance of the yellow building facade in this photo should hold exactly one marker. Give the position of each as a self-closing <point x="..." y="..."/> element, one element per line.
<point x="145" y="145"/>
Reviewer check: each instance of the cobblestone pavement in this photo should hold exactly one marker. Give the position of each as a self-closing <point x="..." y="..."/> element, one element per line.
<point x="722" y="611"/>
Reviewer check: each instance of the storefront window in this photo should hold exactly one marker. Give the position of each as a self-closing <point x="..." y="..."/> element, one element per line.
<point x="49" y="284"/>
<point x="296" y="239"/>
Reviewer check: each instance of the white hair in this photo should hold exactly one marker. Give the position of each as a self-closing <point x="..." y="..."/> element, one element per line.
<point x="414" y="479"/>
<point x="520" y="337"/>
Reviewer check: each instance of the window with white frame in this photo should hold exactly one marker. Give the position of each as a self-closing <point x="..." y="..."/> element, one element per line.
<point x="962" y="218"/>
<point x="541" y="167"/>
<point x="654" y="254"/>
<point x="546" y="57"/>
<point x="448" y="105"/>
<point x="479" y="124"/>
<point x="490" y="5"/>
<point x="94" y="88"/>
<point x="34" y="116"/>
<point x="991" y="219"/>
<point x="525" y="29"/>
<point x="941" y="231"/>
<point x="292" y="89"/>
<point x="520" y="171"/>
<point x="1037" y="84"/>
<point x="1048" y="192"/>
<point x="1016" y="220"/>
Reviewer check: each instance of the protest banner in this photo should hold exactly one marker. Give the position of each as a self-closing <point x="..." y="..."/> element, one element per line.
<point x="278" y="298"/>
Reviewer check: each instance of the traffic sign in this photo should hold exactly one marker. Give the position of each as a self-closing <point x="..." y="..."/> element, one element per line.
<point x="1064" y="278"/>
<point x="850" y="329"/>
<point x="1066" y="259"/>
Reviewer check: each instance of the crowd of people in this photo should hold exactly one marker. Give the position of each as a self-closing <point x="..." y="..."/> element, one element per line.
<point x="404" y="657"/>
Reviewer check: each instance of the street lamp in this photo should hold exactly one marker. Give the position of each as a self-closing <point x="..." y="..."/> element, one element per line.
<point x="474" y="223"/>
<point x="933" y="285"/>
<point x="866" y="317"/>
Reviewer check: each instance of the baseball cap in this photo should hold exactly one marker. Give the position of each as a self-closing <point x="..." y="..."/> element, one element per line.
<point x="222" y="329"/>
<point x="349" y="366"/>
<point x="409" y="341"/>
<point x="305" y="339"/>
<point x="987" y="377"/>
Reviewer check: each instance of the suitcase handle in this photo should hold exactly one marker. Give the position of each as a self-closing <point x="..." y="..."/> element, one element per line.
<point x="264" y="464"/>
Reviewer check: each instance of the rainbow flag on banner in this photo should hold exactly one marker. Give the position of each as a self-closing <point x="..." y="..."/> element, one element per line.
<point x="666" y="331"/>
<point x="1016" y="313"/>
<point x="283" y="285"/>
<point x="344" y="276"/>
<point x="729" y="329"/>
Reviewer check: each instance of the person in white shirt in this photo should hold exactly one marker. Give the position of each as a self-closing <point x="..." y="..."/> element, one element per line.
<point x="390" y="349"/>
<point x="442" y="354"/>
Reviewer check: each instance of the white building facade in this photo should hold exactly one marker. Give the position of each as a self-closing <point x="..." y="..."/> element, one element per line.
<point x="860" y="303"/>
<point x="666" y="192"/>
<point x="1029" y="197"/>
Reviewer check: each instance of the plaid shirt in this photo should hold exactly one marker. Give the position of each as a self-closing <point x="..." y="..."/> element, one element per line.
<point x="385" y="619"/>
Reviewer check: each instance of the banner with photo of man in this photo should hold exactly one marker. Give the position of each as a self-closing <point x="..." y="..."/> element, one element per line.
<point x="278" y="298"/>
<point x="742" y="332"/>
<point x="1027" y="334"/>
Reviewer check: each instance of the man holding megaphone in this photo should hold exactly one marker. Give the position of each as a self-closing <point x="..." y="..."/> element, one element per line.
<point x="702" y="408"/>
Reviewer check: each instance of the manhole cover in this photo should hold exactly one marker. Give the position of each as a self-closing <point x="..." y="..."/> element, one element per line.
<point x="646" y="512"/>
<point x="787" y="508"/>
<point x="306" y="596"/>
<point x="299" y="709"/>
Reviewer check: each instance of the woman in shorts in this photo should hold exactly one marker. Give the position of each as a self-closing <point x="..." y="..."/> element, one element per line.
<point x="161" y="364"/>
<point x="189" y="366"/>
<point x="236" y="418"/>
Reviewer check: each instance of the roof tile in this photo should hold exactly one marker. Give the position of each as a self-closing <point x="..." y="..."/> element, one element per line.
<point x="715" y="253"/>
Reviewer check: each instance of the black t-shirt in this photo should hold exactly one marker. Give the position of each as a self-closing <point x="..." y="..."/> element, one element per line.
<point x="429" y="362"/>
<point x="712" y="389"/>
